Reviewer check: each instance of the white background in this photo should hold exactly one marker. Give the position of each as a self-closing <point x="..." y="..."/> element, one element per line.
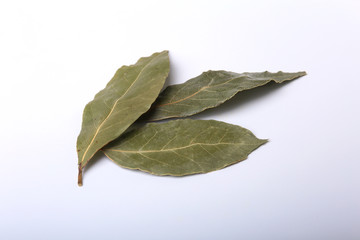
<point x="303" y="184"/>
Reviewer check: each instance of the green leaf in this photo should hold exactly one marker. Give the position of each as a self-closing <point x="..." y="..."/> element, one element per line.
<point x="126" y="97"/>
<point x="209" y="90"/>
<point x="183" y="147"/>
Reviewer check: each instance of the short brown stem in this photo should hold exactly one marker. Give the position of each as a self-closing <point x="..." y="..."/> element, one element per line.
<point x="80" y="176"/>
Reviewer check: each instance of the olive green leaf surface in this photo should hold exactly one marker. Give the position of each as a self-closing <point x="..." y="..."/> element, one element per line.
<point x="209" y="90"/>
<point x="128" y="95"/>
<point x="182" y="147"/>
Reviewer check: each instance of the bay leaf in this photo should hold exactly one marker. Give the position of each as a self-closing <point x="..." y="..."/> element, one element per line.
<point x="125" y="98"/>
<point x="209" y="90"/>
<point x="182" y="147"/>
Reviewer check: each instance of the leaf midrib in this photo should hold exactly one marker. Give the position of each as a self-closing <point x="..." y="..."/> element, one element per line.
<point x="112" y="109"/>
<point x="173" y="149"/>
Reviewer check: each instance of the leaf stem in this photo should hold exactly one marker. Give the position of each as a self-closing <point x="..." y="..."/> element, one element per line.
<point x="80" y="176"/>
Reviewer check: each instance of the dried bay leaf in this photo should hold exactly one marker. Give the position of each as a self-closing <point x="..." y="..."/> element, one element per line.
<point x="209" y="90"/>
<point x="182" y="147"/>
<point x="125" y="98"/>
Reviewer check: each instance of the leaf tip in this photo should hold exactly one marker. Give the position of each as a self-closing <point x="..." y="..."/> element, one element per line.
<point x="261" y="142"/>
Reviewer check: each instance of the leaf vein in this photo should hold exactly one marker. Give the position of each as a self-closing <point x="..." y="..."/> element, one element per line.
<point x="164" y="163"/>
<point x="192" y="160"/>
<point x="149" y="139"/>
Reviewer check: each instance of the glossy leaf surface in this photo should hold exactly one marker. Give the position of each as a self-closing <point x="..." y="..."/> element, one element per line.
<point x="183" y="147"/>
<point x="128" y="95"/>
<point x="209" y="90"/>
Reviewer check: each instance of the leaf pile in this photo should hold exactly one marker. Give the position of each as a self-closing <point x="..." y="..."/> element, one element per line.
<point x="179" y="147"/>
